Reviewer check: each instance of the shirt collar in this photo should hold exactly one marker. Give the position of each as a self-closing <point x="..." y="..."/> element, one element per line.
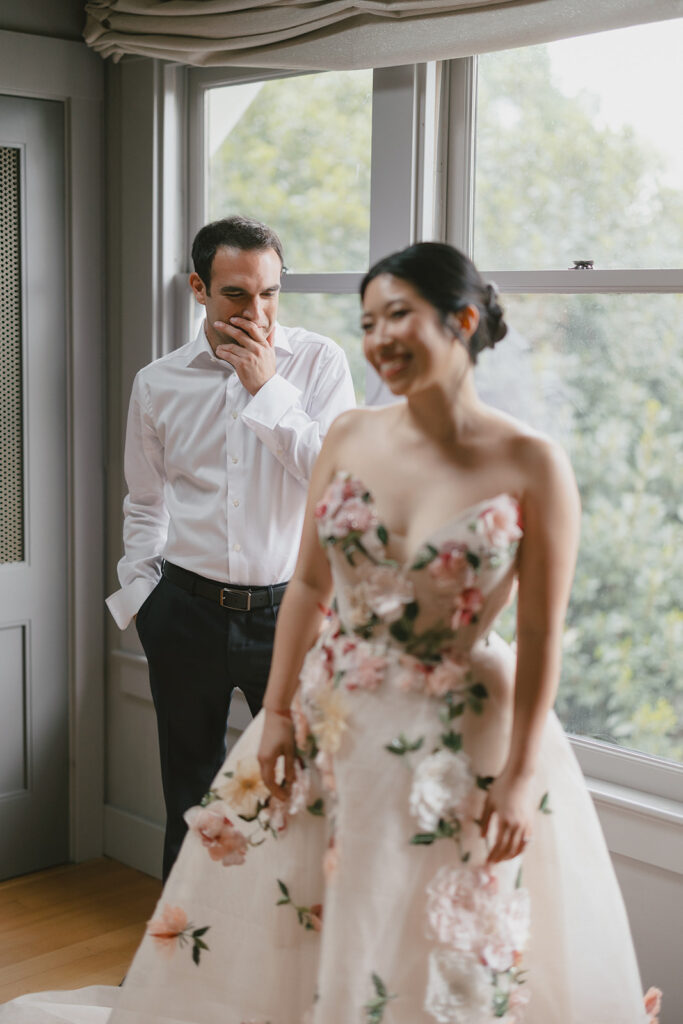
<point x="201" y="352"/>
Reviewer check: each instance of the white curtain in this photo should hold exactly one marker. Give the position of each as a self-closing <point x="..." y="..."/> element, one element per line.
<point x="337" y="34"/>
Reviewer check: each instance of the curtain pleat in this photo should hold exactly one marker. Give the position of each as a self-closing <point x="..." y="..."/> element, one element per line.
<point x="337" y="34"/>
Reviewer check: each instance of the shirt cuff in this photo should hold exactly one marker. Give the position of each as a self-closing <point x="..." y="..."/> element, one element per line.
<point x="124" y="604"/>
<point x="271" y="402"/>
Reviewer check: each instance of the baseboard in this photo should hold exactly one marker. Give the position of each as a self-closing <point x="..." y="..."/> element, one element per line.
<point x="133" y="841"/>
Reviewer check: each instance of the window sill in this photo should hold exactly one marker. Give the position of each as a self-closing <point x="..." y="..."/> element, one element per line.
<point x="638" y="825"/>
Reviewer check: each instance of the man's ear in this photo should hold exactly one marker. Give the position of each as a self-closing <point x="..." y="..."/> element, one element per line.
<point x="198" y="287"/>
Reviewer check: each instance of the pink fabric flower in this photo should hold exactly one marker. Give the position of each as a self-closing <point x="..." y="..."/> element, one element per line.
<point x="343" y="509"/>
<point x="368" y="674"/>
<point x="468" y="912"/>
<point x="363" y="668"/>
<point x="505" y="930"/>
<point x="330" y="861"/>
<point x="518" y="1002"/>
<point x="224" y="842"/>
<point x="653" y="1005"/>
<point x="384" y="592"/>
<point x="166" y="928"/>
<point x="448" y="675"/>
<point x="316" y="916"/>
<point x="467" y="604"/>
<point x="451" y="901"/>
<point x="413" y="678"/>
<point x="302" y="727"/>
<point x="499" y="522"/>
<point x="450" y="568"/>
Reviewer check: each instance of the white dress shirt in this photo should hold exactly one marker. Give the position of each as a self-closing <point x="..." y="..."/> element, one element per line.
<point x="217" y="478"/>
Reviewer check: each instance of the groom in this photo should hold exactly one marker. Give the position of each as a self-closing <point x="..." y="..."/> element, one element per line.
<point x="221" y="439"/>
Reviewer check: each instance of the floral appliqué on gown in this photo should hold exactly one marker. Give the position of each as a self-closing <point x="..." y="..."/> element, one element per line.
<point x="367" y="898"/>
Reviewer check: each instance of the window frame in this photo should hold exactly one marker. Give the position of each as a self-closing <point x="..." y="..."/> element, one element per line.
<point x="632" y="770"/>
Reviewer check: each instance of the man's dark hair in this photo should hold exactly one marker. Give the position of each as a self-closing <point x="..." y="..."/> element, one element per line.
<point x="236" y="233"/>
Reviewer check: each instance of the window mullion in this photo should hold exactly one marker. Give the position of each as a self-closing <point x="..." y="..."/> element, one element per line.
<point x="326" y="283"/>
<point x="457" y="132"/>
<point x="575" y="282"/>
<point x="391" y="180"/>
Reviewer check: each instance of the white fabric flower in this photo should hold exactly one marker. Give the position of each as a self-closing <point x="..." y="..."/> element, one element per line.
<point x="301" y="788"/>
<point x="441" y="785"/>
<point x="246" y="789"/>
<point x="458" y="989"/>
<point x="333" y="712"/>
<point x="314" y="675"/>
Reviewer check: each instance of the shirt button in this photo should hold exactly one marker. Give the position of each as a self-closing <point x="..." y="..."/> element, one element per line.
<point x="280" y="449"/>
<point x="236" y="502"/>
<point x="237" y="547"/>
<point x="235" y="459"/>
<point x="234" y="415"/>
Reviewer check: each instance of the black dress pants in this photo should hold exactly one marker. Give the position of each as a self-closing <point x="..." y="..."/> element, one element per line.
<point x="198" y="653"/>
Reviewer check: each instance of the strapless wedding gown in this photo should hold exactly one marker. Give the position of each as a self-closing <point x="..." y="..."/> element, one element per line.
<point x="368" y="900"/>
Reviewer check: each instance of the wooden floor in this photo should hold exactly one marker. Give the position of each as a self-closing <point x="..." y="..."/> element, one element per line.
<point x="71" y="926"/>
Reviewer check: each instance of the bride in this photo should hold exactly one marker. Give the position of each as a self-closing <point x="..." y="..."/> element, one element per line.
<point x="403" y="835"/>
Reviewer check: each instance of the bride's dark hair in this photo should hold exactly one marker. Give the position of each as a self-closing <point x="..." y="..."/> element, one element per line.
<point x="449" y="280"/>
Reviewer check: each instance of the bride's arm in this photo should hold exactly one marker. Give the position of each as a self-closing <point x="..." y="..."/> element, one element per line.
<point x="551" y="517"/>
<point x="298" y="624"/>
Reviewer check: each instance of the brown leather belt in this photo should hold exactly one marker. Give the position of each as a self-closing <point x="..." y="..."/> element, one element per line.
<point x="233" y="598"/>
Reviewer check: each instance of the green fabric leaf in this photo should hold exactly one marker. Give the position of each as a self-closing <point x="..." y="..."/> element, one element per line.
<point x="452" y="740"/>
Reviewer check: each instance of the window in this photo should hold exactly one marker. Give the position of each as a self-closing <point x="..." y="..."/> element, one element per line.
<point x="300" y="152"/>
<point x="577" y="158"/>
<point x="531" y="159"/>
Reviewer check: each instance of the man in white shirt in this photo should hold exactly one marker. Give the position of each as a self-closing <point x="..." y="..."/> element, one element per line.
<point x="221" y="439"/>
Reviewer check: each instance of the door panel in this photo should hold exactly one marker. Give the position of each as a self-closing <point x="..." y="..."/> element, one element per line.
<point x="34" y="767"/>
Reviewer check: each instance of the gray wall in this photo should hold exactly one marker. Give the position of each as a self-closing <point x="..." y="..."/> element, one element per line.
<point x="60" y="19"/>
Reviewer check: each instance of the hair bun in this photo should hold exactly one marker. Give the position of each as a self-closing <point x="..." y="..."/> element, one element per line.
<point x="496" y="326"/>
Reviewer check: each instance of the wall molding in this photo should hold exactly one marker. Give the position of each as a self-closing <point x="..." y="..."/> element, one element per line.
<point x="133" y="840"/>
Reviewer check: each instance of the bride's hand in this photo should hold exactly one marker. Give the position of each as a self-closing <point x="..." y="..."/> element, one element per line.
<point x="277" y="741"/>
<point x="509" y="800"/>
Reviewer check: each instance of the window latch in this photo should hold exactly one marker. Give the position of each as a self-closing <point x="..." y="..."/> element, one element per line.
<point x="583" y="265"/>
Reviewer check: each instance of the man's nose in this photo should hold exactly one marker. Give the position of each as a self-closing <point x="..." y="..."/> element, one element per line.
<point x="253" y="309"/>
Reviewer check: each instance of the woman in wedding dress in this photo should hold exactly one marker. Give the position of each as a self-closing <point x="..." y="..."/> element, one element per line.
<point x="403" y="835"/>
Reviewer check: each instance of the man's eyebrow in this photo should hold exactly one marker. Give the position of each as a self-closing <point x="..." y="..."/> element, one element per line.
<point x="235" y="288"/>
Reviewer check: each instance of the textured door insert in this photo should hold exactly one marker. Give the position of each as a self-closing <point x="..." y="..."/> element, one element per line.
<point x="11" y="415"/>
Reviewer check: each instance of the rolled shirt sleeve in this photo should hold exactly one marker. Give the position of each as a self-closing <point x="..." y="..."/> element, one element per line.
<point x="291" y="432"/>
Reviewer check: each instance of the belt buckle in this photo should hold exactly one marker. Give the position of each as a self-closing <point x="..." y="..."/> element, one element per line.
<point x="242" y="605"/>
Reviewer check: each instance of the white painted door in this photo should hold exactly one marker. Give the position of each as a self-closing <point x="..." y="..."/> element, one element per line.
<point x="34" y="748"/>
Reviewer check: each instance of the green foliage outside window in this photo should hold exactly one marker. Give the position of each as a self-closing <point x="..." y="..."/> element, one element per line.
<point x="606" y="375"/>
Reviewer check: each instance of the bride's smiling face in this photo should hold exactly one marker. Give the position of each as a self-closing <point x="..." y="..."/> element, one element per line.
<point x="405" y="339"/>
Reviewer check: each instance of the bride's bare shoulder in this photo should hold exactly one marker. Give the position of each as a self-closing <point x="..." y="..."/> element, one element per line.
<point x="356" y="423"/>
<point x="536" y="458"/>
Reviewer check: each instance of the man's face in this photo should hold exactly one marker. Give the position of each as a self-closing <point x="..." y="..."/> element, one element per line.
<point x="244" y="283"/>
